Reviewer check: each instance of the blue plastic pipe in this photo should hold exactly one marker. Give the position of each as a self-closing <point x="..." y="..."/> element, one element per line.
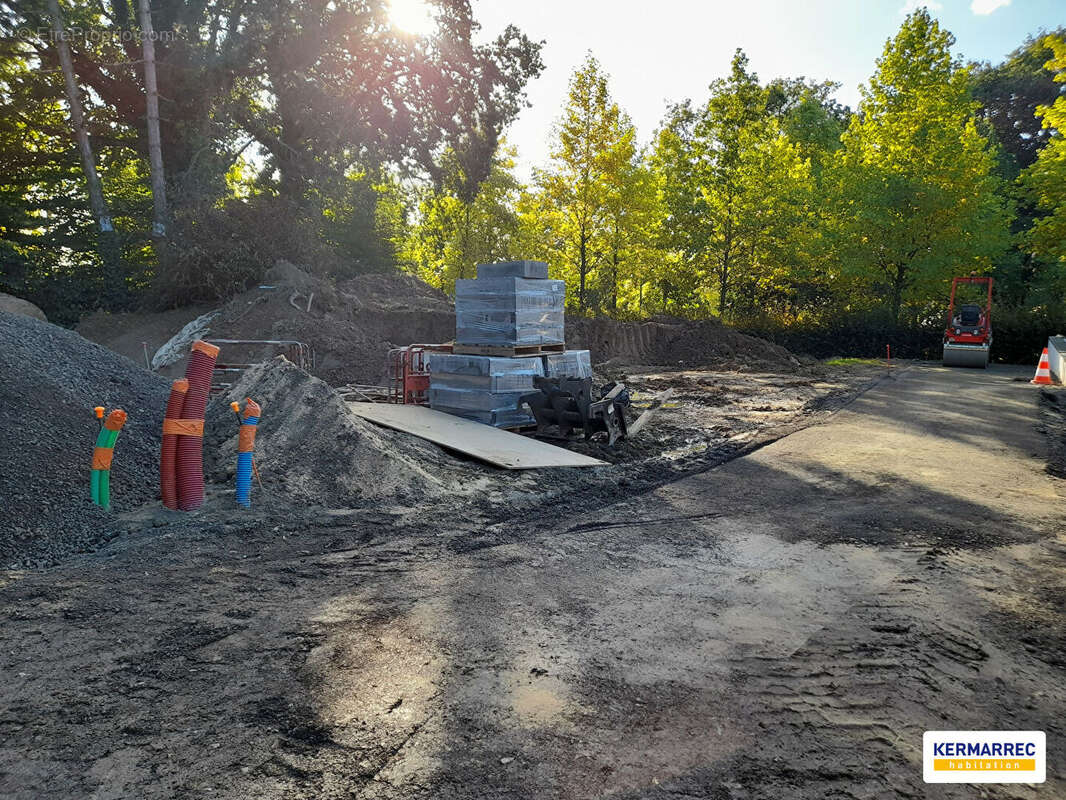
<point x="244" y="470"/>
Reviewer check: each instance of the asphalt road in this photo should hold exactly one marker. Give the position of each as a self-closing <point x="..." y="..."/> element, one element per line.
<point x="783" y="626"/>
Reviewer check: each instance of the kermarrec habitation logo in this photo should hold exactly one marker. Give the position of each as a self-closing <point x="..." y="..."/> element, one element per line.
<point x="984" y="756"/>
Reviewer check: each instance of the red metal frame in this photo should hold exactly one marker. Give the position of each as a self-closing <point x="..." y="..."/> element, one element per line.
<point x="409" y="373"/>
<point x="984" y="333"/>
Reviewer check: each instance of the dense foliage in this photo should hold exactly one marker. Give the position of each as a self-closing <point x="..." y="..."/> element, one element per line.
<point x="288" y="129"/>
<point x="321" y="133"/>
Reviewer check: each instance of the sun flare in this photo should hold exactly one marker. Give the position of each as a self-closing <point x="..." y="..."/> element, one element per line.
<point x="413" y="16"/>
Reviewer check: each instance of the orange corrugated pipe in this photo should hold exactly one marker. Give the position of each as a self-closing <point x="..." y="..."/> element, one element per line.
<point x="168" y="454"/>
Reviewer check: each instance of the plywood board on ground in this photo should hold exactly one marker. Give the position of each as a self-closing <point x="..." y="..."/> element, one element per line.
<point x="498" y="447"/>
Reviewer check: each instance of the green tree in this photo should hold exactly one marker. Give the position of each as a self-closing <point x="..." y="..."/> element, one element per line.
<point x="451" y="236"/>
<point x="737" y="189"/>
<point x="918" y="199"/>
<point x="594" y="141"/>
<point x="1010" y="94"/>
<point x="1044" y="182"/>
<point x="633" y="214"/>
<point x="334" y="102"/>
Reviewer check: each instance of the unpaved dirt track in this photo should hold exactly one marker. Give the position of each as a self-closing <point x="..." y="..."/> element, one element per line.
<point x="785" y="625"/>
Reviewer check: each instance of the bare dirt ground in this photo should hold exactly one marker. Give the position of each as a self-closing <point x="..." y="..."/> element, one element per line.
<point x="783" y="625"/>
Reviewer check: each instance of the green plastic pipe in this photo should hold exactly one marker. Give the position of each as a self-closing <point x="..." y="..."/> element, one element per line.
<point x="100" y="483"/>
<point x="101" y="441"/>
<point x="105" y="476"/>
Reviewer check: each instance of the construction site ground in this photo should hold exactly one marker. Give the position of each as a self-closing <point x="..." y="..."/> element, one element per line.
<point x="817" y="567"/>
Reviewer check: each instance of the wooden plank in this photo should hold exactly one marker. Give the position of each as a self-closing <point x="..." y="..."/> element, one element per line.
<point x="507" y="351"/>
<point x="498" y="447"/>
<point x="645" y="417"/>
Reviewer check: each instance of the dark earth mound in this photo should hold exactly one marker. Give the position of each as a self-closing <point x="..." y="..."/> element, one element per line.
<point x="50" y="380"/>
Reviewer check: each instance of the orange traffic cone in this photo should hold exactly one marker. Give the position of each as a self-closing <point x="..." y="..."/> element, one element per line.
<point x="1043" y="371"/>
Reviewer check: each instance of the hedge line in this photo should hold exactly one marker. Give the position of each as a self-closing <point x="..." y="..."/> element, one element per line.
<point x="1018" y="336"/>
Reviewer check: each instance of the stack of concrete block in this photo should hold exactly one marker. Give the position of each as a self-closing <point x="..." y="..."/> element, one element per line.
<point x="482" y="388"/>
<point x="568" y="364"/>
<point x="511" y="304"/>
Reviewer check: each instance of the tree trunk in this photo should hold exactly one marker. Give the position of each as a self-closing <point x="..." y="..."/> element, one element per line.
<point x="724" y="266"/>
<point x="155" y="147"/>
<point x="723" y="283"/>
<point x="614" y="270"/>
<point x="582" y="269"/>
<point x="108" y="242"/>
<point x="464" y="247"/>
<point x="614" y="282"/>
<point x="898" y="283"/>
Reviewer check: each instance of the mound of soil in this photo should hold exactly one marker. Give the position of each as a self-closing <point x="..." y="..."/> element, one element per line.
<point x="311" y="450"/>
<point x="16" y="305"/>
<point x="353" y="324"/>
<point x="52" y="378"/>
<point x="350" y="326"/>
<point x="673" y="342"/>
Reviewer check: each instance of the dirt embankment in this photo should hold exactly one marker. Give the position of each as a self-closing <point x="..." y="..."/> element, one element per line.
<point x="674" y="342"/>
<point x="351" y="326"/>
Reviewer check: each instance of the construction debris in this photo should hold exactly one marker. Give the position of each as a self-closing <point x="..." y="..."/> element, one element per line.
<point x="177" y="347"/>
<point x="657" y="403"/>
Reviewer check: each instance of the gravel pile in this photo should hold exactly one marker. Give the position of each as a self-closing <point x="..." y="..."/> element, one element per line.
<point x="311" y="450"/>
<point x="50" y="379"/>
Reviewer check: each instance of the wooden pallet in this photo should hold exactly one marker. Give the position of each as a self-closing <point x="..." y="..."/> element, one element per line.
<point x="523" y="429"/>
<point x="507" y="351"/>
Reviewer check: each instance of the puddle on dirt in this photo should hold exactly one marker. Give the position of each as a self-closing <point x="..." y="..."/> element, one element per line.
<point x="536" y="705"/>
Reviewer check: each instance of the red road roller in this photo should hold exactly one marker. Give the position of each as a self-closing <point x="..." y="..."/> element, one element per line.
<point x="968" y="335"/>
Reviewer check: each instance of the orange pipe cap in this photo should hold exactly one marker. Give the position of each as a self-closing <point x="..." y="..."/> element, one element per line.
<point x="115" y="420"/>
<point x="209" y="350"/>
